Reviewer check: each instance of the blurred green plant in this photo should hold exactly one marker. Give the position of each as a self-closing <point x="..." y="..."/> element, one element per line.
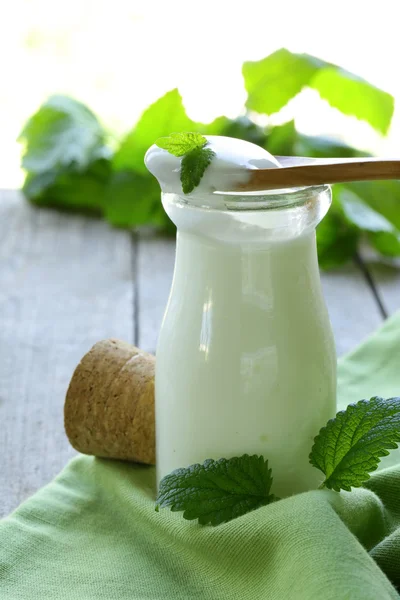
<point x="70" y="164"/>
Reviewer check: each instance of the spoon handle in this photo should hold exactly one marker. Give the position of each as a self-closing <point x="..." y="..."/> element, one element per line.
<point x="301" y="172"/>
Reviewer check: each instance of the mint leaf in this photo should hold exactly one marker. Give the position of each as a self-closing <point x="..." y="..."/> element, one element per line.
<point x="132" y="200"/>
<point x="218" y="490"/>
<point x="195" y="159"/>
<point x="324" y="147"/>
<point x="63" y="133"/>
<point x="69" y="189"/>
<point x="276" y="79"/>
<point x="337" y="239"/>
<point x="351" y="444"/>
<point x="381" y="233"/>
<point x="354" y="96"/>
<point x="382" y="196"/>
<point x="282" y="139"/>
<point x="159" y="119"/>
<point x="362" y="215"/>
<point x="241" y="128"/>
<point x="387" y="244"/>
<point x="193" y="166"/>
<point x="179" y="144"/>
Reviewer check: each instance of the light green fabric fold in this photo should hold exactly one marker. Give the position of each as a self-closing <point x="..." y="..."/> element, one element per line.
<point x="93" y="534"/>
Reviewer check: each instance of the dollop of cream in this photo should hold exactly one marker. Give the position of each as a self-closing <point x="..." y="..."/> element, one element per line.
<point x="229" y="167"/>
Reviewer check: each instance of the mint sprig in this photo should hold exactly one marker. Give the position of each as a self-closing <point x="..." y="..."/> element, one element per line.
<point x="351" y="444"/>
<point x="218" y="490"/>
<point x="193" y="166"/>
<point x="196" y="158"/>
<point x="346" y="450"/>
<point x="179" y="144"/>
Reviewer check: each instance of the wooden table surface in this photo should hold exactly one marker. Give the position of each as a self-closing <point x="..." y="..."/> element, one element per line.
<point x="68" y="281"/>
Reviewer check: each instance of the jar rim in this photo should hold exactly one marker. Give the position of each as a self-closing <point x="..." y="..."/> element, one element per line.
<point x="239" y="201"/>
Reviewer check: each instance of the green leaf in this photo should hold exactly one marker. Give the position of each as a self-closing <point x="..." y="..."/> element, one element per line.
<point x="61" y="134"/>
<point x="362" y="215"/>
<point x="276" y="79"/>
<point x="70" y="190"/>
<point x="382" y="196"/>
<point x="336" y="243"/>
<point x="193" y="166"/>
<point x="158" y="120"/>
<point x="387" y="244"/>
<point x="354" y="96"/>
<point x="282" y="139"/>
<point x="324" y="147"/>
<point x="337" y="239"/>
<point x="216" y="127"/>
<point x="179" y="144"/>
<point x="132" y="200"/>
<point x="244" y="129"/>
<point x="36" y="184"/>
<point x="218" y="490"/>
<point x="351" y="444"/>
<point x="382" y="234"/>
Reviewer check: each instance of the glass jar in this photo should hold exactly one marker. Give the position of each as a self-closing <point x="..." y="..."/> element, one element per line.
<point x="246" y="360"/>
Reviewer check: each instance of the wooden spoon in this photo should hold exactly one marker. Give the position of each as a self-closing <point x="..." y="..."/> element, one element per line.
<point x="302" y="171"/>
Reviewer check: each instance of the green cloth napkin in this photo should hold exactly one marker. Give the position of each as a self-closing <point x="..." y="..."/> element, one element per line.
<point x="93" y="533"/>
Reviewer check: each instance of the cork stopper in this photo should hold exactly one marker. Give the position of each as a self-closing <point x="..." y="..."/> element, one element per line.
<point x="109" y="407"/>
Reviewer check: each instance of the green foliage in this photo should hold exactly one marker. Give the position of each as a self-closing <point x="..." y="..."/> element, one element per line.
<point x="276" y="79"/>
<point x="382" y="196"/>
<point x="324" y="147"/>
<point x="352" y="444"/>
<point x="70" y="165"/>
<point x="282" y="140"/>
<point x="166" y="115"/>
<point x="337" y="239"/>
<point x="273" y="81"/>
<point x="381" y="232"/>
<point x="355" y="97"/>
<point x="63" y="133"/>
<point x="242" y="128"/>
<point x="71" y="189"/>
<point x="218" y="490"/>
<point x="124" y="209"/>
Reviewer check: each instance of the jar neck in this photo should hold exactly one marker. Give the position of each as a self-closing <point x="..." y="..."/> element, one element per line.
<point x="236" y="267"/>
<point x="250" y="218"/>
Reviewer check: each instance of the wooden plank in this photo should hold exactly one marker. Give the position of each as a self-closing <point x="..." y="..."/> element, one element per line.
<point x="352" y="307"/>
<point x="65" y="282"/>
<point x="386" y="279"/>
<point x="155" y="265"/>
